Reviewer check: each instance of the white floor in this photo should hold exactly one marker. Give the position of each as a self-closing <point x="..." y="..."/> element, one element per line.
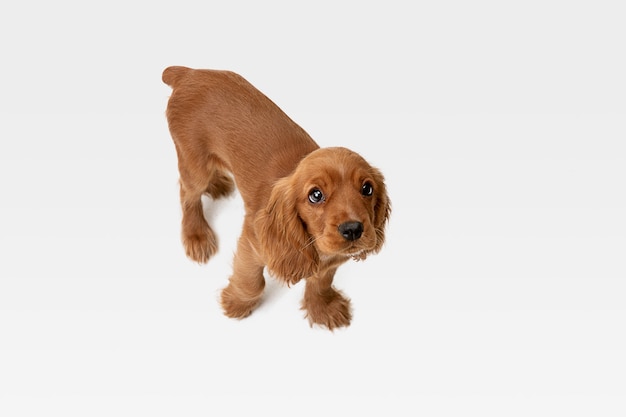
<point x="500" y="291"/>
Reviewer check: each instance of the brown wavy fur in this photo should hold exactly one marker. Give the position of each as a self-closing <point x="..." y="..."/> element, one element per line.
<point x="227" y="132"/>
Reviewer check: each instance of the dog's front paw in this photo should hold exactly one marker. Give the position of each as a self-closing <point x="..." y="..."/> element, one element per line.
<point x="331" y="310"/>
<point x="200" y="247"/>
<point x="235" y="306"/>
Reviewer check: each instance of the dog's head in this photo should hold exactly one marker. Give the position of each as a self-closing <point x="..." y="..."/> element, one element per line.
<point x="334" y="204"/>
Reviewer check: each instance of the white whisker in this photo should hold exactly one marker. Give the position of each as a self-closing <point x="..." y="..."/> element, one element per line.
<point x="310" y="242"/>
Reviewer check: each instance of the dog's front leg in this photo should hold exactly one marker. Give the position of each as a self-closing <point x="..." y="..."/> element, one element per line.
<point x="324" y="305"/>
<point x="246" y="284"/>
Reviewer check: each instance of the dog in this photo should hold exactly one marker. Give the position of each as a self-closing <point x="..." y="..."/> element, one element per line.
<point x="307" y="209"/>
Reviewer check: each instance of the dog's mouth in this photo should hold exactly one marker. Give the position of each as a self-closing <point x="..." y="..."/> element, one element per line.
<point x="355" y="251"/>
<point x="358" y="255"/>
<point x="351" y="250"/>
<point x="334" y="246"/>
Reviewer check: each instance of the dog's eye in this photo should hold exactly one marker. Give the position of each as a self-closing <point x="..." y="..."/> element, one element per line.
<point x="316" y="196"/>
<point x="367" y="189"/>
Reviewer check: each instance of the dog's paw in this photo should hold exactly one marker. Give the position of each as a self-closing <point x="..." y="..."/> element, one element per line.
<point x="332" y="311"/>
<point x="236" y="308"/>
<point x="200" y="247"/>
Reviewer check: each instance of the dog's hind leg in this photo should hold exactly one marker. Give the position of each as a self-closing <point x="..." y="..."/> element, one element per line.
<point x="199" y="174"/>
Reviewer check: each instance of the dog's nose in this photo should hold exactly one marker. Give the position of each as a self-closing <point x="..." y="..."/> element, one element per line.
<point x="351" y="230"/>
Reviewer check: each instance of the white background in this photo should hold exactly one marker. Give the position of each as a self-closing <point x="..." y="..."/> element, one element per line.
<point x="500" y="128"/>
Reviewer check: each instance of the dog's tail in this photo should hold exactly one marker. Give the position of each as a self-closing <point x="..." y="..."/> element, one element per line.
<point x="172" y="75"/>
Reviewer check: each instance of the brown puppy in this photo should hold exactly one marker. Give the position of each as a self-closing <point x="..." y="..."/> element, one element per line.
<point x="307" y="209"/>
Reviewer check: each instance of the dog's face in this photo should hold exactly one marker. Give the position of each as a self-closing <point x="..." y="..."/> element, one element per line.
<point x="333" y="205"/>
<point x="338" y="193"/>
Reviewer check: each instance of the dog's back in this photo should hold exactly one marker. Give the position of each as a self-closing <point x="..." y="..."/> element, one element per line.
<point x="218" y="117"/>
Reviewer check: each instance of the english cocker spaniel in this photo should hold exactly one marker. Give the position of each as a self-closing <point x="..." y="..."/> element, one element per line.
<point x="307" y="209"/>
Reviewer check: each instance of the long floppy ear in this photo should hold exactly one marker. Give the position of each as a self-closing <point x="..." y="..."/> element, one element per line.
<point x="284" y="241"/>
<point x="382" y="209"/>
